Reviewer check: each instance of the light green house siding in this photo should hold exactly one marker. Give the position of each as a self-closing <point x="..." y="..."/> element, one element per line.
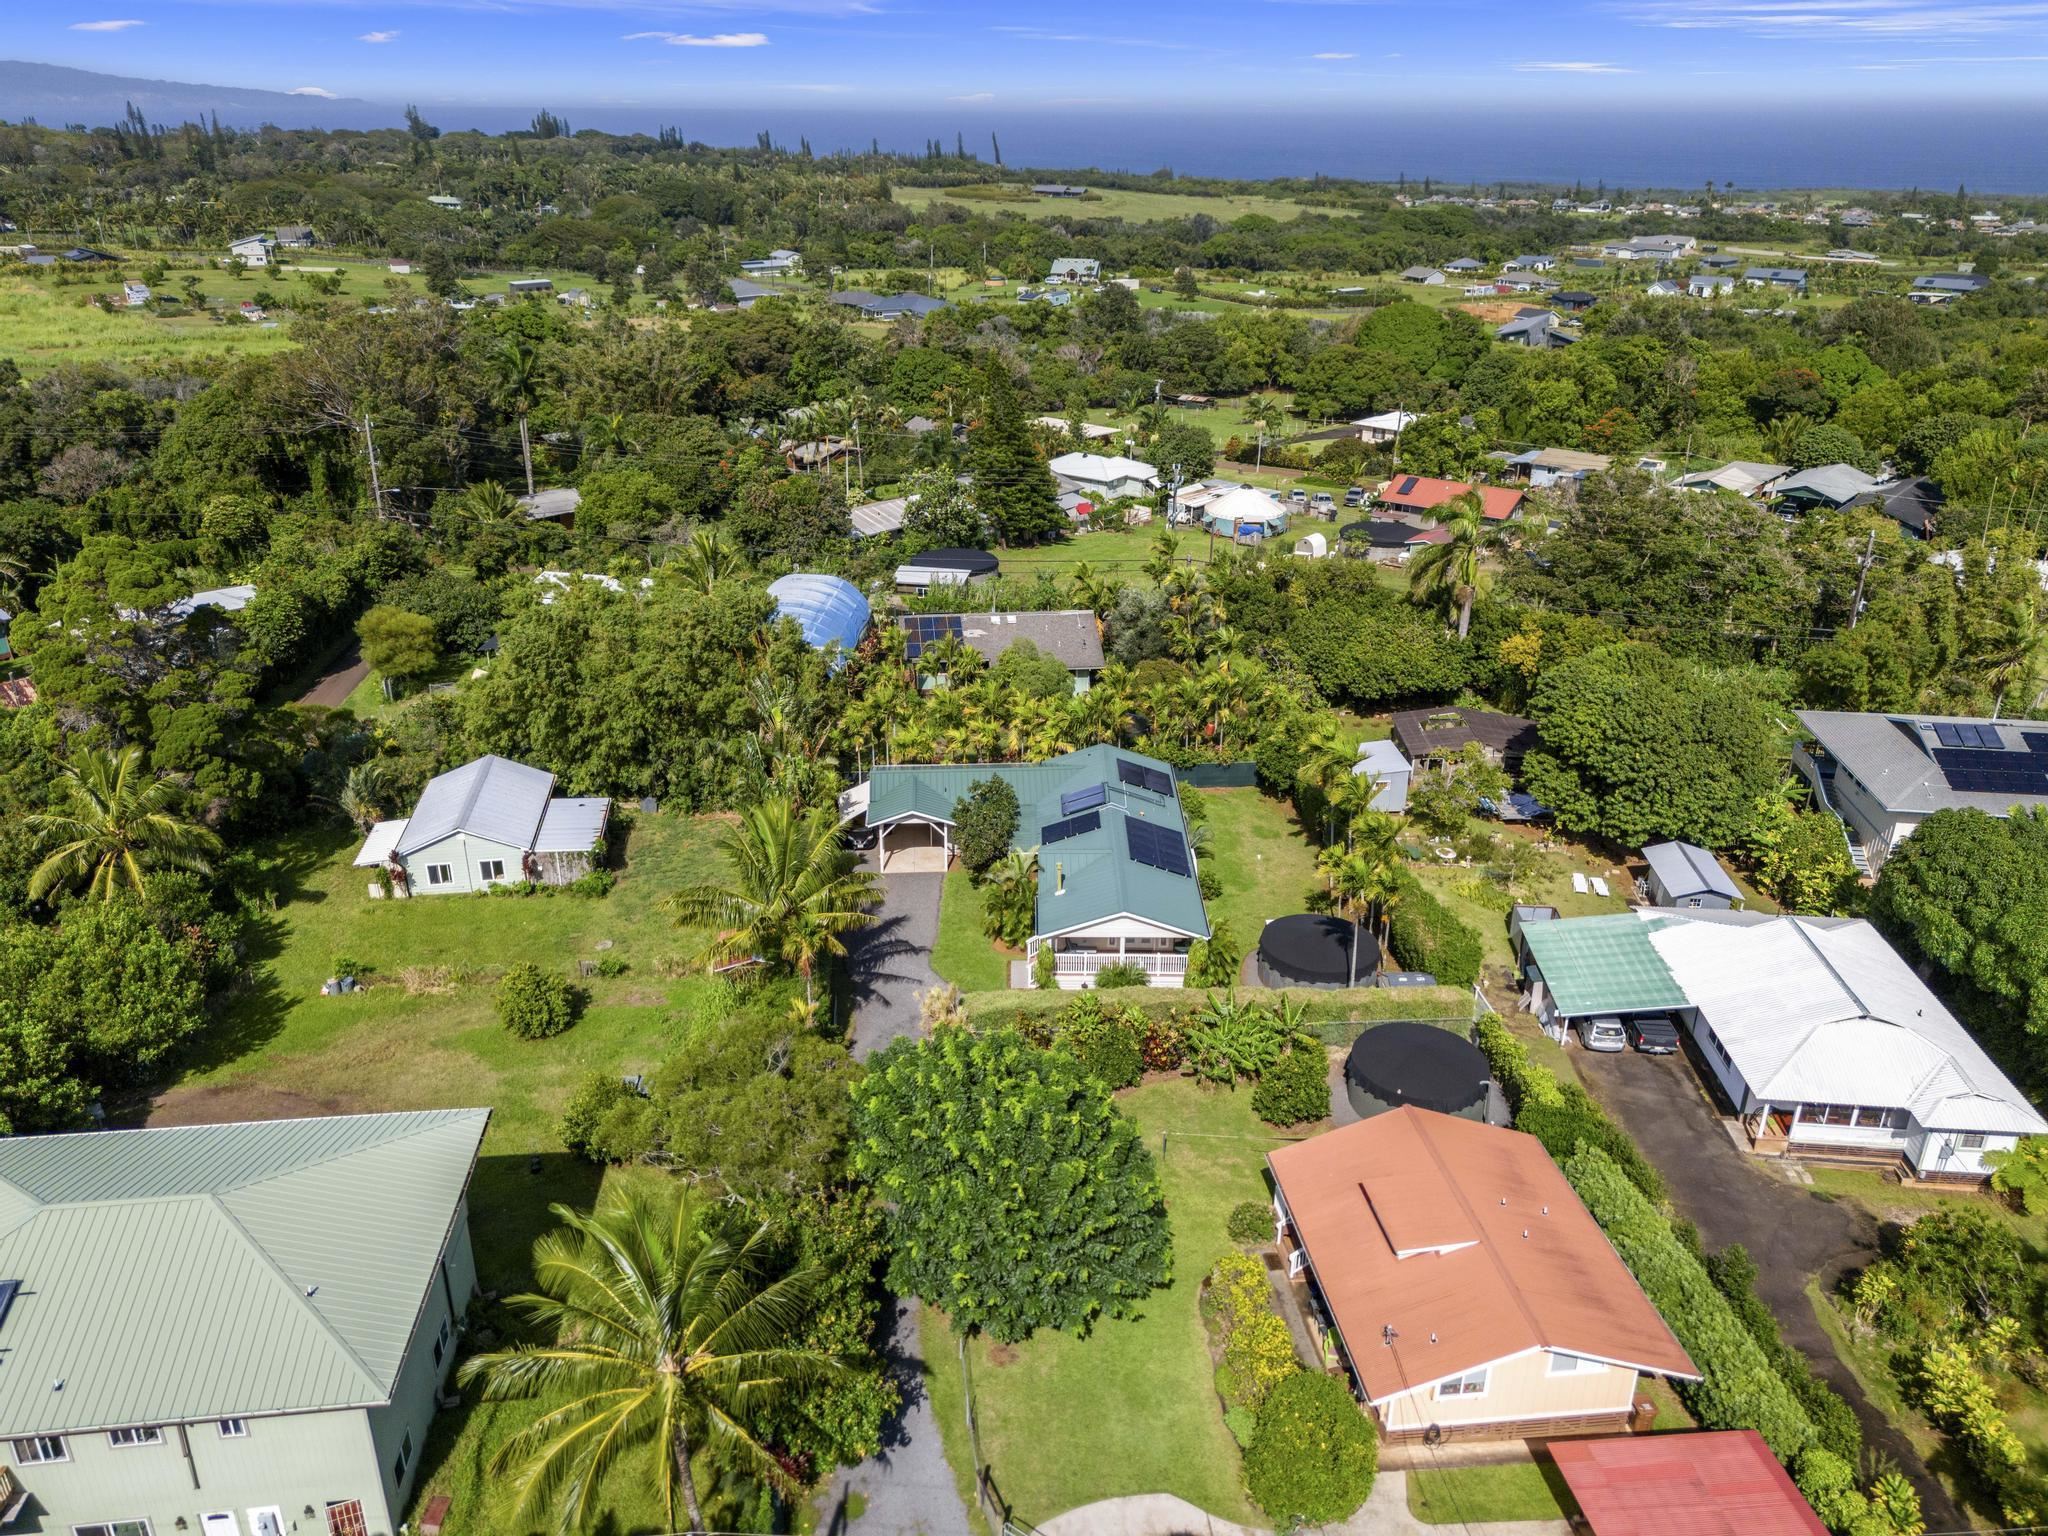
<point x="465" y="855"/>
<point x="413" y="1398"/>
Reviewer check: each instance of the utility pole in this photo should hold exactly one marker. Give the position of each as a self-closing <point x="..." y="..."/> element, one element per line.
<point x="376" y="488"/>
<point x="1862" y="571"/>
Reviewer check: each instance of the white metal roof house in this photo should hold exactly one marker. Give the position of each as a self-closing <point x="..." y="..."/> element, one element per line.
<point x="1883" y="775"/>
<point x="1822" y="1039"/>
<point x="490" y="822"/>
<point x="232" y="1330"/>
<point x="1074" y="269"/>
<point x="1385" y="427"/>
<point x="1105" y="476"/>
<point x="1745" y="477"/>
<point x="553" y="506"/>
<point x="254" y="250"/>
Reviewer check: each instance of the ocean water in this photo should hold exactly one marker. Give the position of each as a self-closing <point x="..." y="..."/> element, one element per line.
<point x="1936" y="147"/>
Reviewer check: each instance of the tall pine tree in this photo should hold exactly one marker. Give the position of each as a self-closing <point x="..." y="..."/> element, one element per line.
<point x="1013" y="489"/>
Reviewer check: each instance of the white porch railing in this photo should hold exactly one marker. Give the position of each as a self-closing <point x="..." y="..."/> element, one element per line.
<point x="1086" y="962"/>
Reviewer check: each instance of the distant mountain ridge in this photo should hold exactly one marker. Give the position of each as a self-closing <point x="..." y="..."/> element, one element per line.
<point x="55" y="95"/>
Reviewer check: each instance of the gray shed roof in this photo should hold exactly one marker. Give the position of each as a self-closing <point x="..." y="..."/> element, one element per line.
<point x="542" y="505"/>
<point x="572" y="826"/>
<point x="214" y="1271"/>
<point x="1684" y="869"/>
<point x="1835" y="483"/>
<point x="491" y="797"/>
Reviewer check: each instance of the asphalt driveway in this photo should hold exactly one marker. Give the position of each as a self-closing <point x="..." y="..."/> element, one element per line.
<point x="889" y="962"/>
<point x="1793" y="1233"/>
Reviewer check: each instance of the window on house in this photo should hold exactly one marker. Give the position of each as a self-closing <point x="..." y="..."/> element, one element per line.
<point x="1841" y="1114"/>
<point x="345" y="1518"/>
<point x="1572" y="1365"/>
<point x="404" y="1461"/>
<point x="1880" y="1119"/>
<point x="491" y="869"/>
<point x="441" y="1342"/>
<point x="113" y="1528"/>
<point x="234" y="1429"/>
<point x="1971" y="1141"/>
<point x="440" y="874"/>
<point x="37" y="1449"/>
<point x="136" y="1434"/>
<point x="1692" y="901"/>
<point x="1471" y="1384"/>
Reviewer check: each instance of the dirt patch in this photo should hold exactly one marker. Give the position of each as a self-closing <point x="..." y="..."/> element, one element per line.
<point x="644" y="997"/>
<point x="1003" y="1354"/>
<point x="1494" y="314"/>
<point x="224" y="1103"/>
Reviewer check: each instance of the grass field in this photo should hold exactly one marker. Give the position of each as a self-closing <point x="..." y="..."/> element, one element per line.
<point x="282" y="1049"/>
<point x="1130" y="1408"/>
<point x="1522" y="1490"/>
<point x="1267" y="866"/>
<point x="964" y="955"/>
<point x="1112" y="203"/>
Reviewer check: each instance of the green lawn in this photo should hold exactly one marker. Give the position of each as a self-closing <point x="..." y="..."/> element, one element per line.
<point x="1515" y="1491"/>
<point x="282" y="1049"/>
<point x="1268" y="867"/>
<point x="964" y="954"/>
<point x="1110" y="203"/>
<point x="1132" y="1407"/>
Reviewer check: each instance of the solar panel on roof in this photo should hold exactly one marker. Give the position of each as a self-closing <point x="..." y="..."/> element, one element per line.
<point x="1073" y="826"/>
<point x="1081" y="799"/>
<point x="1157" y="847"/>
<point x="1405" y="486"/>
<point x="2037" y="741"/>
<point x="1947" y="734"/>
<point x="1141" y="777"/>
<point x="9" y="1289"/>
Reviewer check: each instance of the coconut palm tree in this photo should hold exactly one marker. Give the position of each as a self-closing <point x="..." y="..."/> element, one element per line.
<point x="1358" y="885"/>
<point x="518" y="371"/>
<point x="2015" y="657"/>
<point x="672" y="1331"/>
<point x="114" y="823"/>
<point x="793" y="894"/>
<point x="1454" y="572"/>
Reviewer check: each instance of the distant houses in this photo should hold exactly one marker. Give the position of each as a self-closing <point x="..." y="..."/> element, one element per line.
<point x="135" y="295"/>
<point x="777" y="263"/>
<point x="1057" y="189"/>
<point x="1104" y="477"/>
<point x="1427" y="277"/>
<point x="889" y="306"/>
<point x="1947" y="287"/>
<point x="1074" y="269"/>
<point x="1788" y="279"/>
<point x="445" y="203"/>
<point x="251" y="250"/>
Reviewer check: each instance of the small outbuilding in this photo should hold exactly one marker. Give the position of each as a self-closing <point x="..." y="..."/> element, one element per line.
<point x="1685" y="875"/>
<point x="1315" y="546"/>
<point x="1315" y="949"/>
<point x="1384" y="762"/>
<point x="1245" y="514"/>
<point x="1423" y="1066"/>
<point x="944" y="568"/>
<point x="1719" y="1483"/>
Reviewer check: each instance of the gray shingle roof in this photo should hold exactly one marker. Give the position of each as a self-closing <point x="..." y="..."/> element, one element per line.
<point x="491" y="797"/>
<point x="1070" y="635"/>
<point x="215" y="1271"/>
<point x="1835" y="483"/>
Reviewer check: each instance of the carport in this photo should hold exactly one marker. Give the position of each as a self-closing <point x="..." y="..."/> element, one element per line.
<point x="1594" y="966"/>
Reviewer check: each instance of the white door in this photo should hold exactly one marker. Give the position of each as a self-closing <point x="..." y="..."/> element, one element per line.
<point x="218" y="1525"/>
<point x="268" y="1521"/>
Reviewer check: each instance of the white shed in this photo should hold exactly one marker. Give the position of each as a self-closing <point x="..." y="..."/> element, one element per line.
<point x="1315" y="547"/>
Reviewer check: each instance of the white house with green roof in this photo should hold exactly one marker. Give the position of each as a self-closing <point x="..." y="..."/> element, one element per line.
<point x="1823" y="1042"/>
<point x="1116" y="875"/>
<point x="229" y="1330"/>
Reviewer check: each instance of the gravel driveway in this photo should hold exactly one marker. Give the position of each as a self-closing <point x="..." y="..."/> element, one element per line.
<point x="907" y="1486"/>
<point x="889" y="962"/>
<point x="1791" y="1232"/>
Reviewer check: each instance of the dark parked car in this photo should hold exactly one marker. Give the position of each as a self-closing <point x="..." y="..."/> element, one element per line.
<point x="1654" y="1036"/>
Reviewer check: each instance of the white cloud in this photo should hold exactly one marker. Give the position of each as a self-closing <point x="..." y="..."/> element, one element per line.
<point x="1043" y="35"/>
<point x="974" y="96"/>
<point x="103" y="26"/>
<point x="313" y="90"/>
<point x="379" y="37"/>
<point x="1333" y="55"/>
<point x="716" y="40"/>
<point x="1569" y="67"/>
<point x="1863" y="18"/>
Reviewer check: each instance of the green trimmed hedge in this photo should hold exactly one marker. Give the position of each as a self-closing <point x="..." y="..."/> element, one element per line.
<point x="1314" y="1454"/>
<point x="1560" y="1115"/>
<point x="987" y="1010"/>
<point x="1424" y="935"/>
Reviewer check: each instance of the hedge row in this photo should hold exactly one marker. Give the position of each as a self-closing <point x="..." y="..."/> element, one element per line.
<point x="1733" y="1272"/>
<point x="1424" y="935"/>
<point x="1560" y="1115"/>
<point x="1349" y="1005"/>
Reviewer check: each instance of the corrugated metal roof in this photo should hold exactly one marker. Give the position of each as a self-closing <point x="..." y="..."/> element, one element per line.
<point x="211" y="1271"/>
<point x="1085" y="878"/>
<point x="1598" y="965"/>
<point x="572" y="826"/>
<point x="828" y="609"/>
<point x="491" y="797"/>
<point x="377" y="847"/>
<point x="1685" y="870"/>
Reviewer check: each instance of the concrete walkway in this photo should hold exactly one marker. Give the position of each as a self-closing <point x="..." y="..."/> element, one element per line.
<point x="907" y="1487"/>
<point x="1384" y="1513"/>
<point x="889" y="962"/>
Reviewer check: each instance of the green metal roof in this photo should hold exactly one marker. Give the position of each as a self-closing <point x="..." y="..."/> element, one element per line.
<point x="1603" y="965"/>
<point x="1082" y="879"/>
<point x="223" y="1270"/>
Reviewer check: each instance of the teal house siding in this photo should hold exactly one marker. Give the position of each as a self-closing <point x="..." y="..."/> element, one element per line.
<point x="464" y="855"/>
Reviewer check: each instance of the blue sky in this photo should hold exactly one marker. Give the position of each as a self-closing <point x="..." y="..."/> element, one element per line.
<point x="1006" y="58"/>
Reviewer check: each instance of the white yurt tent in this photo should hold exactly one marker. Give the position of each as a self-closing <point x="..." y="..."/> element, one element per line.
<point x="1245" y="514"/>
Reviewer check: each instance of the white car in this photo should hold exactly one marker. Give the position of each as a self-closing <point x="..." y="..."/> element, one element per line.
<point x="1603" y="1032"/>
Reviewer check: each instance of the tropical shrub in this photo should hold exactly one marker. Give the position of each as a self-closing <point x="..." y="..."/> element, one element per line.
<point x="1106" y="1045"/>
<point x="1126" y="974"/>
<point x="604" y="1120"/>
<point x="984" y="823"/>
<point x="1258" y="1351"/>
<point x="1216" y="960"/>
<point x="1296" y="1088"/>
<point x="1424" y="935"/>
<point x="2022" y="1173"/>
<point x="1314" y="1453"/>
<point x="1521" y="1080"/>
<point x="535" y="1004"/>
<point x="1228" y="1040"/>
<point x="1250" y="1222"/>
<point x="1953" y="1382"/>
<point x="1834" y="1421"/>
<point x="1045" y="969"/>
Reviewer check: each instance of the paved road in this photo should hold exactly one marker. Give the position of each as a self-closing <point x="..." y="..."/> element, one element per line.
<point x="907" y="1486"/>
<point x="889" y="963"/>
<point x="333" y="686"/>
<point x="1791" y="1233"/>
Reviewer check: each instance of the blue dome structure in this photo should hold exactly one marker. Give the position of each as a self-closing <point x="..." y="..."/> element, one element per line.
<point x="827" y="609"/>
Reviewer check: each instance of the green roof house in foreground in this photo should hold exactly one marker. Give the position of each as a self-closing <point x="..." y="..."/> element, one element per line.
<point x="229" y="1330"/>
<point x="1116" y="876"/>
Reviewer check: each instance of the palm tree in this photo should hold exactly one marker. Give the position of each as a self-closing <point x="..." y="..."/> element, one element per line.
<point x="606" y="434"/>
<point x="2015" y="656"/>
<point x="1010" y="893"/>
<point x="707" y="560"/>
<point x="362" y="795"/>
<point x="115" y="823"/>
<point x="1454" y="572"/>
<point x="672" y="1332"/>
<point x="518" y="370"/>
<point x="1359" y="884"/>
<point x="793" y="894"/>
